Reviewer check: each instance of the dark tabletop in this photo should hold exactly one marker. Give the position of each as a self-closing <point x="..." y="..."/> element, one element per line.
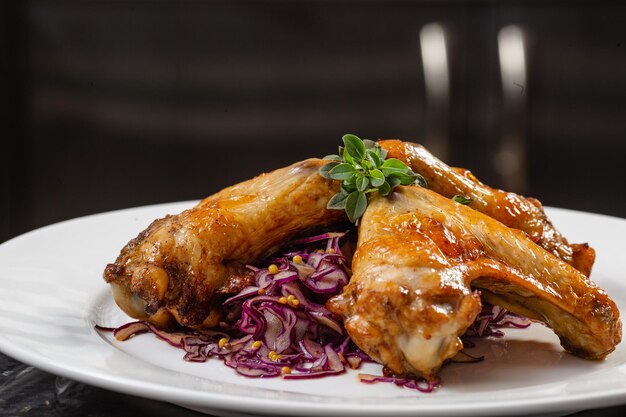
<point x="28" y="391"/>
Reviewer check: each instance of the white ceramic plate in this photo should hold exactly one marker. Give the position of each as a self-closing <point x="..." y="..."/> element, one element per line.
<point x="52" y="294"/>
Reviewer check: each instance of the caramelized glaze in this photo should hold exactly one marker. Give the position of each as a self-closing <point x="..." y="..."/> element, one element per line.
<point x="174" y="270"/>
<point x="513" y="210"/>
<point x="421" y="259"/>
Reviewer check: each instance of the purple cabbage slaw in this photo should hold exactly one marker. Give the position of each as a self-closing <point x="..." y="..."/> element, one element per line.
<point x="285" y="329"/>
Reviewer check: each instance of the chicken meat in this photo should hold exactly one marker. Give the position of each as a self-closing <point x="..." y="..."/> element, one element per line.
<point x="175" y="270"/>
<point x="424" y="261"/>
<point x="511" y="209"/>
<point x="182" y="266"/>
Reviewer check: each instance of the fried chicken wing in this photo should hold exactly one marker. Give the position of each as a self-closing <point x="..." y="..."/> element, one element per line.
<point x="513" y="210"/>
<point x="179" y="269"/>
<point x="173" y="270"/>
<point x="421" y="259"/>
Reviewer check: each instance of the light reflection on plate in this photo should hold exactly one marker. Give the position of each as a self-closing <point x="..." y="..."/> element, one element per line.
<point x="52" y="293"/>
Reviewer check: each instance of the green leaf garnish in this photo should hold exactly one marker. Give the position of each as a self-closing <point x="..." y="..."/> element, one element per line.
<point x="354" y="146"/>
<point x="377" y="177"/>
<point x="374" y="159"/>
<point x="342" y="171"/>
<point x="356" y="203"/>
<point x="362" y="168"/>
<point x="462" y="199"/>
<point x="421" y="181"/>
<point x="369" y="144"/>
<point x="394" y="166"/>
<point x="338" y="201"/>
<point x="326" y="168"/>
<point x="362" y="182"/>
<point x="384" y="189"/>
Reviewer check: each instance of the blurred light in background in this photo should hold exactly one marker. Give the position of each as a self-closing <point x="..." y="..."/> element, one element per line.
<point x="113" y="104"/>
<point x="512" y="54"/>
<point x="510" y="158"/>
<point x="437" y="85"/>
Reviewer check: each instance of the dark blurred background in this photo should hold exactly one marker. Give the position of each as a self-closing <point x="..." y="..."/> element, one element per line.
<point x="112" y="104"/>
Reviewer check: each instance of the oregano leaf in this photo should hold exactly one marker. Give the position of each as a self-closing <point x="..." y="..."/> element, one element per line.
<point x="354" y="146"/>
<point x="462" y="199"/>
<point x="337" y="202"/>
<point x="356" y="203"/>
<point x="362" y="168"/>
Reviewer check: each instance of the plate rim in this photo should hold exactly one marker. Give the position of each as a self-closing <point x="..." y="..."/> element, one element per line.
<point x="230" y="402"/>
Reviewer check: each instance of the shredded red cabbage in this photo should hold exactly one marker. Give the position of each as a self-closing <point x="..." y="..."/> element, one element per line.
<point x="412" y="383"/>
<point x="490" y="320"/>
<point x="285" y="329"/>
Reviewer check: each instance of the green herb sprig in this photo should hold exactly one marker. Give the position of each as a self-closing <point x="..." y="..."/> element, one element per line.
<point x="462" y="199"/>
<point x="362" y="167"/>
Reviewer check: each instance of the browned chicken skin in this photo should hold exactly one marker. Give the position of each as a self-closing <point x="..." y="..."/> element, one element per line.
<point x="173" y="270"/>
<point x="513" y="210"/>
<point x="176" y="270"/>
<point x="418" y="258"/>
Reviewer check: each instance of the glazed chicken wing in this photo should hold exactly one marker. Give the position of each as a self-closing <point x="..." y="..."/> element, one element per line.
<point x="419" y="259"/>
<point x="173" y="270"/>
<point x="179" y="268"/>
<point x="513" y="210"/>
